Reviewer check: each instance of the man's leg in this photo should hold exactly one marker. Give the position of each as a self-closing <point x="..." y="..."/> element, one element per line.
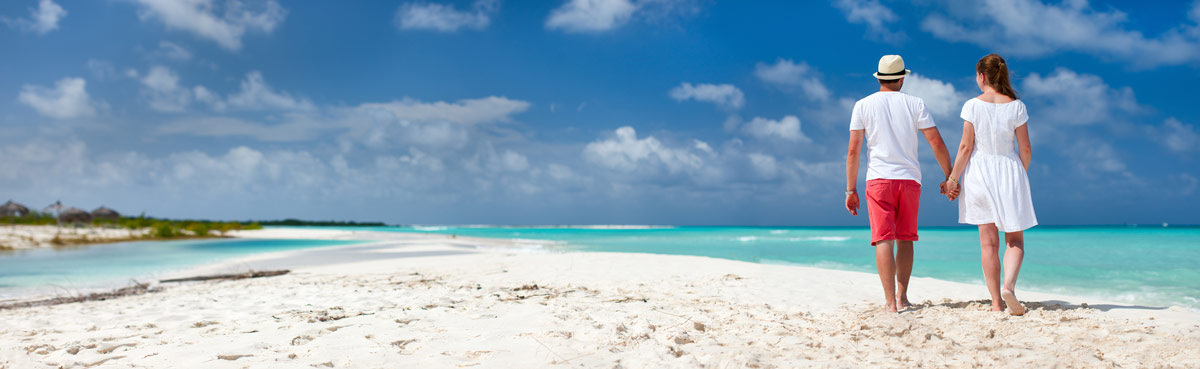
<point x="904" y="265"/>
<point x="906" y="231"/>
<point x="886" y="264"/>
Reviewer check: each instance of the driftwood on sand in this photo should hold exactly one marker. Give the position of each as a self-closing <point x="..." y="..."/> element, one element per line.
<point x="250" y="274"/>
<point x="134" y="290"/>
<point x="137" y="289"/>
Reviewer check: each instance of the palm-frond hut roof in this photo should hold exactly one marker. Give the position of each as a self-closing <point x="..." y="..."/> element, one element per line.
<point x="55" y="208"/>
<point x="12" y="209"/>
<point x="74" y="215"/>
<point x="105" y="213"/>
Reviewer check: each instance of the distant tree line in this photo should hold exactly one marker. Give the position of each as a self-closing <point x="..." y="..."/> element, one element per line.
<point x="162" y="228"/>
<point x="336" y="223"/>
<point x="159" y="227"/>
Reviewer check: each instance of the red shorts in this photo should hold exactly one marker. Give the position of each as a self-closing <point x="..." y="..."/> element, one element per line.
<point x="892" y="207"/>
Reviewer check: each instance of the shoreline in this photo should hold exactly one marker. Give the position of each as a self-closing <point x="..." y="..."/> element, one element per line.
<point x="31" y="237"/>
<point x="371" y="238"/>
<point x="521" y="244"/>
<point x="434" y="301"/>
<point x="483" y="245"/>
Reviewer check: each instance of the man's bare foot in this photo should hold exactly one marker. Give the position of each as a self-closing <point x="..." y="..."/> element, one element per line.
<point x="889" y="308"/>
<point x="997" y="306"/>
<point x="903" y="303"/>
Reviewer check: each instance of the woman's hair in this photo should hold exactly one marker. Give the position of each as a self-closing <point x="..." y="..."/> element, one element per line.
<point x="995" y="70"/>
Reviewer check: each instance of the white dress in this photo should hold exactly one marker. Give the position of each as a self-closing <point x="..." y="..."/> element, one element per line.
<point x="995" y="187"/>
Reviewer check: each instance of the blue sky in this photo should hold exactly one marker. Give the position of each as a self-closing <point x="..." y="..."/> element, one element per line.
<point x="570" y="112"/>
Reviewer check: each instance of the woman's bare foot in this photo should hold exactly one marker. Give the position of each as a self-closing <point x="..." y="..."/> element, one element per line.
<point x="1014" y="306"/>
<point x="903" y="303"/>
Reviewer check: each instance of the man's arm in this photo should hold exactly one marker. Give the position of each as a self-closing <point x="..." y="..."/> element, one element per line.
<point x="939" y="148"/>
<point x="853" y="154"/>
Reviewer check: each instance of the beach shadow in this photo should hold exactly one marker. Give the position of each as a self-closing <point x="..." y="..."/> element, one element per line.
<point x="1101" y="307"/>
<point x="1048" y="305"/>
<point x="972" y="305"/>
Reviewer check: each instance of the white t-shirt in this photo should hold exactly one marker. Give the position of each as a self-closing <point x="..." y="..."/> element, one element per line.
<point x="892" y="121"/>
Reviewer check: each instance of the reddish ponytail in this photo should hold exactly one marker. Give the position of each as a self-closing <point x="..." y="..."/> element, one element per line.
<point x="995" y="70"/>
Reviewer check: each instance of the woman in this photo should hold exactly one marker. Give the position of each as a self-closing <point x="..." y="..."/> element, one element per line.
<point x="990" y="177"/>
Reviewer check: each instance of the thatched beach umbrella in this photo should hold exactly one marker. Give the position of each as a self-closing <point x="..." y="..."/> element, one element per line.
<point x="105" y="214"/>
<point x="54" y="209"/>
<point x="12" y="209"/>
<point x="74" y="215"/>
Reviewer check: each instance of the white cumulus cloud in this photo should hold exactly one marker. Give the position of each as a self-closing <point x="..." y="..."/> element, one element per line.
<point x="764" y="165"/>
<point x="1178" y="137"/>
<point x="875" y="15"/>
<point x="255" y="94"/>
<point x="724" y="95"/>
<point x="1073" y="98"/>
<point x="593" y="16"/>
<point x="68" y="99"/>
<point x="1031" y="27"/>
<point x="510" y="161"/>
<point x="173" y="51"/>
<point x="466" y="111"/>
<point x="942" y="99"/>
<point x="164" y="91"/>
<point x="788" y="75"/>
<point x="445" y="18"/>
<point x="205" y="19"/>
<point x="42" y="19"/>
<point x="290" y="131"/>
<point x="787" y="129"/>
<point x="590" y="15"/>
<point x="624" y="151"/>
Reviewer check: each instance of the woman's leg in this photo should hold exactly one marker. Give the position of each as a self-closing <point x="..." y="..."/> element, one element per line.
<point x="1013" y="255"/>
<point x="989" y="257"/>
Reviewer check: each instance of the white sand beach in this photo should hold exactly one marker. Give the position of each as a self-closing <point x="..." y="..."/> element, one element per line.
<point x="430" y="301"/>
<point x="19" y="237"/>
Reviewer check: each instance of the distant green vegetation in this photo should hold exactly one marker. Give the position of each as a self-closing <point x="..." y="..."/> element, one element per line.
<point x="143" y="227"/>
<point x="159" y="228"/>
<point x="297" y="222"/>
<point x="31" y="219"/>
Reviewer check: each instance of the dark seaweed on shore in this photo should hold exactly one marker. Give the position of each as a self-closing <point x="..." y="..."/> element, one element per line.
<point x="134" y="290"/>
<point x="138" y="289"/>
<point x="250" y="274"/>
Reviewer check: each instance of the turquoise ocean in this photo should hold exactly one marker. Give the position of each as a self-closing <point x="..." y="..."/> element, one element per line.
<point x="67" y="271"/>
<point x="1150" y="266"/>
<point x="1145" y="265"/>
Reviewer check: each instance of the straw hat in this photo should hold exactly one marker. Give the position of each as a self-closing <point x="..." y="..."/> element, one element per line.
<point x="891" y="67"/>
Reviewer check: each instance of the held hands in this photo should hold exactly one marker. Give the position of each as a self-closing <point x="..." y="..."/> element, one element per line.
<point x="951" y="188"/>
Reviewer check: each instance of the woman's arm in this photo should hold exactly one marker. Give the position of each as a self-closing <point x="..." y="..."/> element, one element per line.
<point x="964" y="155"/>
<point x="1023" y="144"/>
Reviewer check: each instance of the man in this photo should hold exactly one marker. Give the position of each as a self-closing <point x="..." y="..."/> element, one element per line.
<point x="890" y="120"/>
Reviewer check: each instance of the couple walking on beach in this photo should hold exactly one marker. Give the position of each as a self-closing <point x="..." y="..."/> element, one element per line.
<point x="988" y="177"/>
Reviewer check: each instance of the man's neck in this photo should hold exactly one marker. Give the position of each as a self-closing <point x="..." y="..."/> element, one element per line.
<point x="883" y="88"/>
